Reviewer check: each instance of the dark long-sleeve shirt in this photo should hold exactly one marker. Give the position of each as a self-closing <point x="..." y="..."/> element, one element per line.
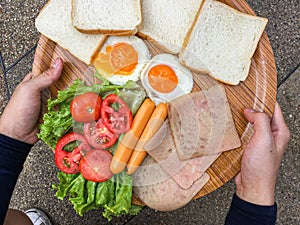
<point x="13" y="154"/>
<point x="245" y="213"/>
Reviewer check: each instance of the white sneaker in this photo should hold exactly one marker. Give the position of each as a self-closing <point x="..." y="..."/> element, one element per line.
<point x="38" y="217"/>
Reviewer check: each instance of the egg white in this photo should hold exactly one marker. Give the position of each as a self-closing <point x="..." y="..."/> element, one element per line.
<point x="143" y="57"/>
<point x="184" y="75"/>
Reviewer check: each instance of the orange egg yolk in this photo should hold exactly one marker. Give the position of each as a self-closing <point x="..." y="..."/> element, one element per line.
<point x="120" y="58"/>
<point x="162" y="78"/>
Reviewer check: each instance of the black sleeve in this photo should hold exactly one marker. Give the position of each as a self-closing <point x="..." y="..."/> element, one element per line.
<point x="13" y="154"/>
<point x="246" y="213"/>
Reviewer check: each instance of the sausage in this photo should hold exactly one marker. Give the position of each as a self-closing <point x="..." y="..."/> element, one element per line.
<point x="155" y="122"/>
<point x="131" y="137"/>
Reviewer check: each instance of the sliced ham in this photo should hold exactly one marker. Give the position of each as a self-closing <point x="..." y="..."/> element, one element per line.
<point x="217" y="100"/>
<point x="231" y="138"/>
<point x="162" y="149"/>
<point x="214" y="131"/>
<point x="200" y="127"/>
<point x="165" y="195"/>
<point x="191" y="124"/>
<point x="224" y="135"/>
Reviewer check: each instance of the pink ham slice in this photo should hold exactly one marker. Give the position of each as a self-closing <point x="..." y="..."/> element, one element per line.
<point x="190" y="123"/>
<point x="162" y="149"/>
<point x="214" y="132"/>
<point x="224" y="135"/>
<point x="162" y="194"/>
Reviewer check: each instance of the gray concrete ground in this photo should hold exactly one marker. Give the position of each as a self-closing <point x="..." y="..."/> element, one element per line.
<point x="18" y="35"/>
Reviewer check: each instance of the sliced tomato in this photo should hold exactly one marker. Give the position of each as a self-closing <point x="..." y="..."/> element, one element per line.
<point x="115" y="114"/>
<point x="98" y="135"/>
<point x="86" y="107"/>
<point x="68" y="161"/>
<point x="95" y="166"/>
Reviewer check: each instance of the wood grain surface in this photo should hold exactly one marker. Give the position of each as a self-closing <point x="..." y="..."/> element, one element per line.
<point x="257" y="91"/>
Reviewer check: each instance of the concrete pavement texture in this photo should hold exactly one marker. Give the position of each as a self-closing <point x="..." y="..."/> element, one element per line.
<point x="18" y="38"/>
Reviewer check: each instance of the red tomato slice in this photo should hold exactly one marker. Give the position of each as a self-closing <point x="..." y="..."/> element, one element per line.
<point x="98" y="136"/>
<point x="68" y="162"/>
<point x="117" y="120"/>
<point x="95" y="166"/>
<point x="86" y="107"/>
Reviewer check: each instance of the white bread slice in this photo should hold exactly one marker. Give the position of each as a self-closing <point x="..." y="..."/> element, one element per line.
<point x="222" y="42"/>
<point x="167" y="22"/>
<point x="118" y="17"/>
<point x="54" y="21"/>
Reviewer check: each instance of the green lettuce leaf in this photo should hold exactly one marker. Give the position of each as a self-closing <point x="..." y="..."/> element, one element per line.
<point x="105" y="193"/>
<point x="89" y="201"/>
<point x="113" y="195"/>
<point x="123" y="195"/>
<point x="56" y="124"/>
<point x="66" y="181"/>
<point x="77" y="194"/>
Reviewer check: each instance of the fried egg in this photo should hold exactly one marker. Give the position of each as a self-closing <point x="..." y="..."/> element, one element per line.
<point x="164" y="78"/>
<point x="122" y="58"/>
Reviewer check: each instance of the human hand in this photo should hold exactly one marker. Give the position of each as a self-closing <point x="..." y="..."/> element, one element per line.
<point x="20" y="117"/>
<point x="262" y="157"/>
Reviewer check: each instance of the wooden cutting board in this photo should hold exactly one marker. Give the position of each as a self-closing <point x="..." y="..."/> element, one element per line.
<point x="257" y="91"/>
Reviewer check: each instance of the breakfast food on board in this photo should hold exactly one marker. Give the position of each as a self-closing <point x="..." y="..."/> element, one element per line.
<point x="164" y="78"/>
<point x="122" y="58"/>
<point x="167" y="22"/>
<point x="54" y="21"/>
<point x="222" y="42"/>
<point x="140" y="126"/>
<point x="163" y="194"/>
<point x="118" y="17"/>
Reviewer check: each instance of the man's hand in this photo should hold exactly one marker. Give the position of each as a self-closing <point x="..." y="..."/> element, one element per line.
<point x="262" y="157"/>
<point x="20" y="117"/>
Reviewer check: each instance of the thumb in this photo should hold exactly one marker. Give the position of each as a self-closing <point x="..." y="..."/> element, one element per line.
<point x="260" y="120"/>
<point x="47" y="78"/>
<point x="250" y="114"/>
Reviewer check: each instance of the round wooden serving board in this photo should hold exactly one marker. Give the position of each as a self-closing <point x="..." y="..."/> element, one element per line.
<point x="257" y="91"/>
